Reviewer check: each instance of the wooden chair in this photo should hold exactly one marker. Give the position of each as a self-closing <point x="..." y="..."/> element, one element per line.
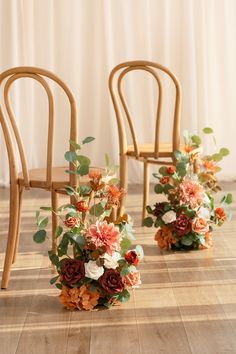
<point x="157" y="152"/>
<point x="50" y="178"/>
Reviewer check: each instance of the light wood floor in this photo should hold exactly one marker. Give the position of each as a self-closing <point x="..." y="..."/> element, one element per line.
<point x="187" y="303"/>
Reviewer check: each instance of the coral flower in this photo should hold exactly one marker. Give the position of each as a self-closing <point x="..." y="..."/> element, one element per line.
<point x="104" y="234"/>
<point x="165" y="180"/>
<point x="208" y="241"/>
<point x="164" y="237"/>
<point x="220" y="214"/>
<point x="200" y="225"/>
<point x="171" y="170"/>
<point x="79" y="298"/>
<point x="209" y="165"/>
<point x="95" y="175"/>
<point x="113" y="195"/>
<point x="188" y="148"/>
<point x="191" y="193"/>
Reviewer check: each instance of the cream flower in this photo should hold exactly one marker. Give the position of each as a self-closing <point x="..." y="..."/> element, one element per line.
<point x="161" y="198"/>
<point x="110" y="262"/>
<point x="203" y="213"/>
<point x="92" y="270"/>
<point x="169" y="217"/>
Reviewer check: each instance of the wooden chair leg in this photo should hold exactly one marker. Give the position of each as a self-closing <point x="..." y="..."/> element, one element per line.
<point x="21" y="189"/>
<point x="12" y="234"/>
<point x="123" y="183"/>
<point x="54" y="201"/>
<point x="145" y="189"/>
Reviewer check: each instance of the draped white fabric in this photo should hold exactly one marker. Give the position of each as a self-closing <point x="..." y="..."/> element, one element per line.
<point x="82" y="40"/>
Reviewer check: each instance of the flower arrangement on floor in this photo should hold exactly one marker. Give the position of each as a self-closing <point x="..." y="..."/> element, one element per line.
<point x="94" y="264"/>
<point x="185" y="209"/>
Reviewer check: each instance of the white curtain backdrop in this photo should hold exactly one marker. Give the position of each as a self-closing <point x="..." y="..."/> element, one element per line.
<point x="82" y="40"/>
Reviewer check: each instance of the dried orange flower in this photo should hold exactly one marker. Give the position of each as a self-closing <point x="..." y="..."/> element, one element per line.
<point x="164" y="237"/>
<point x="209" y="165"/>
<point x="79" y="298"/>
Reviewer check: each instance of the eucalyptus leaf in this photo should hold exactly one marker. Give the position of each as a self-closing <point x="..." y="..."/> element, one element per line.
<point x="42" y="222"/>
<point x="58" y="231"/>
<point x="82" y="170"/>
<point x="40" y="236"/>
<point x="75" y="145"/>
<point x="207" y="130"/>
<point x="187" y="240"/>
<point x="148" y="222"/>
<point x="53" y="280"/>
<point x="88" y="140"/>
<point x="70" y="156"/>
<point x="83" y="160"/>
<point x="224" y="151"/>
<point x="46" y="208"/>
<point x="158" y="188"/>
<point x="96" y="209"/>
<point x="196" y="140"/>
<point x="229" y="198"/>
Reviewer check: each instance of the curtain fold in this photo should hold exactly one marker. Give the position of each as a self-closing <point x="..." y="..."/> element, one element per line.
<point x="82" y="40"/>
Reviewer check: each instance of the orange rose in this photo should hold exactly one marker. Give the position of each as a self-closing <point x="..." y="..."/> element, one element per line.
<point x="200" y="226"/>
<point x="209" y="165"/>
<point x="165" y="180"/>
<point x="71" y="221"/>
<point x="82" y="206"/>
<point x="171" y="170"/>
<point x="132" y="279"/>
<point x="220" y="214"/>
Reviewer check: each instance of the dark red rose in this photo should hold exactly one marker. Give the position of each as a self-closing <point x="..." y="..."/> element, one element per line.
<point x="82" y="206"/>
<point x="71" y="221"/>
<point x="72" y="271"/>
<point x="132" y="258"/>
<point x="182" y="225"/>
<point x="159" y="209"/>
<point x="111" y="282"/>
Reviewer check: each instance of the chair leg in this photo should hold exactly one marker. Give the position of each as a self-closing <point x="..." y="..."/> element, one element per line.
<point x="145" y="189"/>
<point x="123" y="183"/>
<point x="12" y="234"/>
<point x="54" y="201"/>
<point x="21" y="189"/>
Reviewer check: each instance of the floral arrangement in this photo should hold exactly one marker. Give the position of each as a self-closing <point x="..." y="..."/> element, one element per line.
<point x="185" y="209"/>
<point x="94" y="264"/>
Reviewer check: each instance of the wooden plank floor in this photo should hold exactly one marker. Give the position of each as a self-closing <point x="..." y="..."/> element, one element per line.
<point x="187" y="303"/>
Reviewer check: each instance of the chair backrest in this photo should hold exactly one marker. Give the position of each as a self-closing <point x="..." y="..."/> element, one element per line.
<point x="116" y="89"/>
<point x="9" y="126"/>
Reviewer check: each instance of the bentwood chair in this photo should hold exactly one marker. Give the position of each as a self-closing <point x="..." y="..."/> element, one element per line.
<point x="50" y="178"/>
<point x="156" y="152"/>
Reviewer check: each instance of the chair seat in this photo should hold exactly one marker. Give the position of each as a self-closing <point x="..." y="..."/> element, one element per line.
<point x="60" y="178"/>
<point x="147" y="150"/>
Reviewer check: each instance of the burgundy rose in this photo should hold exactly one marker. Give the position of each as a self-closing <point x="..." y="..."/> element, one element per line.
<point x="182" y="225"/>
<point x="132" y="258"/>
<point x="72" y="271"/>
<point x="111" y="281"/>
<point x="159" y="209"/>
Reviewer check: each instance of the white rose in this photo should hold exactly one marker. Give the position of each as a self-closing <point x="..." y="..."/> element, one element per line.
<point x="161" y="198"/>
<point x="110" y="262"/>
<point x="203" y="213"/>
<point x="206" y="199"/>
<point x="169" y="217"/>
<point x="92" y="270"/>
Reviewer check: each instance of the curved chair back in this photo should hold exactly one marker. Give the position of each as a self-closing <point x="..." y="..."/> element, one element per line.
<point x="11" y="131"/>
<point x="116" y="79"/>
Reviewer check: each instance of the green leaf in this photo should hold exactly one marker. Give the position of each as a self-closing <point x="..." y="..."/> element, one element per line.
<point x="139" y="251"/>
<point x="69" y="190"/>
<point x="181" y="169"/>
<point x="148" y="222"/>
<point x="201" y="239"/>
<point x="187" y="240"/>
<point x="125" y="244"/>
<point x="149" y="209"/>
<point x="124" y="271"/>
<point x="70" y="156"/>
<point x="107" y="160"/>
<point x="163" y="171"/>
<point x="59" y="286"/>
<point x="114" y="181"/>
<point x="167" y="187"/>
<point x="124" y="296"/>
<point x="207" y="130"/>
<point x="88" y="140"/>
<point x="217" y="157"/>
<point x="53" y="280"/>
<point x="229" y="198"/>
<point x="75" y="145"/>
<point x="63" y="245"/>
<point x="46" y="208"/>
<point x="178" y="154"/>
<point x="78" y="239"/>
<point x="224" y="151"/>
<point x="53" y="258"/>
<point x="196" y="139"/>
<point x="84" y="189"/>
<point x="58" y="231"/>
<point x="39" y="236"/>
<point x="72" y="172"/>
<point x="83" y="160"/>
<point x="42" y="222"/>
<point x="82" y="170"/>
<point x="159" y="222"/>
<point x="158" y="188"/>
<point x="96" y="209"/>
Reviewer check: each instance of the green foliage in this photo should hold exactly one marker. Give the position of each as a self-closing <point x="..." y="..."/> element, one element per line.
<point x="224" y="151"/>
<point x="75" y="145"/>
<point x="40" y="236"/>
<point x="53" y="280"/>
<point x="149" y="209"/>
<point x="82" y="170"/>
<point x="187" y="240"/>
<point x="70" y="156"/>
<point x="96" y="209"/>
<point x="125" y="244"/>
<point x="196" y="140"/>
<point x="124" y="296"/>
<point x="148" y="222"/>
<point x="83" y="160"/>
<point x="228" y="199"/>
<point x="46" y="208"/>
<point x="158" y="188"/>
<point x="58" y="231"/>
<point x="88" y="140"/>
<point x="207" y="130"/>
<point x="42" y="222"/>
<point x="163" y="171"/>
<point x="181" y="169"/>
<point x="107" y="160"/>
<point x="69" y="190"/>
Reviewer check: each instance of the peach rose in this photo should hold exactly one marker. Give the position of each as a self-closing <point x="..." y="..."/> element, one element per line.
<point x="200" y="226"/>
<point x="208" y="241"/>
<point x="132" y="279"/>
